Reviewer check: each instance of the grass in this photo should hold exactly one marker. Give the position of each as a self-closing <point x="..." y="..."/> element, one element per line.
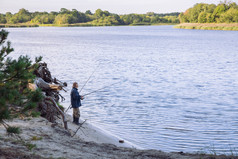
<point x="13" y="130"/>
<point x="88" y="24"/>
<point x="208" y="26"/>
<point x="153" y="24"/>
<point x="20" y="25"/>
<point x="35" y="114"/>
<point x="35" y="138"/>
<point x="164" y="24"/>
<point x="211" y="152"/>
<point x="25" y="143"/>
<point x="30" y="146"/>
<point x="66" y="25"/>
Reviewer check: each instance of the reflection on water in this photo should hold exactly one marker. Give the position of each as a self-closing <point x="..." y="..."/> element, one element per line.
<point x="177" y="89"/>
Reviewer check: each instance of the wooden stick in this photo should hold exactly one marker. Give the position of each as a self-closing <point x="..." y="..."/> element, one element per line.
<point x="79" y="127"/>
<point x="59" y="110"/>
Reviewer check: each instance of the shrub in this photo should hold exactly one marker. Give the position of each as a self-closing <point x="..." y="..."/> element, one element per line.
<point x="13" y="130"/>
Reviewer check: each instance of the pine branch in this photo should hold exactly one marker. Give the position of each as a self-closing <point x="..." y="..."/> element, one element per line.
<point x="9" y="79"/>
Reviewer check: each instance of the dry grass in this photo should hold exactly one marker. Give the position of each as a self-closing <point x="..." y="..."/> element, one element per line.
<point x="18" y="25"/>
<point x="208" y="26"/>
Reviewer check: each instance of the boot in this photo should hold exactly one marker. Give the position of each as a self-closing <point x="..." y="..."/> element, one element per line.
<point x="76" y="121"/>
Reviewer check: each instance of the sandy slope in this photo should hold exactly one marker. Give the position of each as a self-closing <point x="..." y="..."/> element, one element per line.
<point x="55" y="142"/>
<point x="91" y="133"/>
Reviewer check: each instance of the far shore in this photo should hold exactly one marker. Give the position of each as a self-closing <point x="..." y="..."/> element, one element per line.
<point x="200" y="26"/>
<point x="22" y="25"/>
<point x="208" y="26"/>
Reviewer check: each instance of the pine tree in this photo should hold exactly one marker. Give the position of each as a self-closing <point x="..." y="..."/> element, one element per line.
<point x="15" y="74"/>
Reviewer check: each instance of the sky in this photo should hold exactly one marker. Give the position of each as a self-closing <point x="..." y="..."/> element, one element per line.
<point x="113" y="6"/>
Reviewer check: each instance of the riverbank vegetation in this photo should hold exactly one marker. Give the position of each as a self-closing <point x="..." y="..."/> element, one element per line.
<point x="223" y="16"/>
<point x="15" y="74"/>
<point x="27" y="88"/>
<point x="66" y="17"/>
<point x="225" y="12"/>
<point x="208" y="26"/>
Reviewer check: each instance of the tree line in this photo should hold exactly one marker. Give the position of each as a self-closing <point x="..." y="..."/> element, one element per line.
<point x="225" y="12"/>
<point x="65" y="16"/>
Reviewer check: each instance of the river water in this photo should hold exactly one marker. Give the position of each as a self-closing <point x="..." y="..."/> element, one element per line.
<point x="177" y="89"/>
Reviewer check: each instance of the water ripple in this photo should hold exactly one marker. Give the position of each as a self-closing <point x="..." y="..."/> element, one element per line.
<point x="178" y="89"/>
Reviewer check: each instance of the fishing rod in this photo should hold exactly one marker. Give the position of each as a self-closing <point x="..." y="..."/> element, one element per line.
<point x="84" y="85"/>
<point x="95" y="91"/>
<point x="67" y="108"/>
<point x="89" y="78"/>
<point x="101" y="88"/>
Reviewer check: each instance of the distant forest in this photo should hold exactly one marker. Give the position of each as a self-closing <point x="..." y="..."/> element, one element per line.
<point x="225" y="12"/>
<point x="99" y="18"/>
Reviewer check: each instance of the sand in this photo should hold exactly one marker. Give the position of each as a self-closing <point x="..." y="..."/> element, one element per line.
<point x="42" y="139"/>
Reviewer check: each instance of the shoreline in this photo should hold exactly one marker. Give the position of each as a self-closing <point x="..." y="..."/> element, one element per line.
<point x="41" y="139"/>
<point x="208" y="26"/>
<point x="23" y="25"/>
<point x="93" y="133"/>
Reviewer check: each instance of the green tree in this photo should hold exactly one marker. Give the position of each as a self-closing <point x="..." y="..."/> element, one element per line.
<point x="106" y="13"/>
<point x="183" y="18"/>
<point x="64" y="11"/>
<point x="98" y="13"/>
<point x="233" y="5"/>
<point x="202" y="18"/>
<point x="14" y="78"/>
<point x="22" y="16"/>
<point x="44" y="18"/>
<point x="151" y="14"/>
<point x="13" y="20"/>
<point x="210" y="13"/>
<point x="229" y="16"/>
<point x="8" y="16"/>
<point x="210" y="8"/>
<point x="65" y="16"/>
<point x="2" y="19"/>
<point x="209" y="18"/>
<point x="195" y="11"/>
<point x="53" y="13"/>
<point x="221" y="8"/>
<point x="146" y="19"/>
<point x="155" y="19"/>
<point x="64" y="19"/>
<point x="78" y="17"/>
<point x="88" y="12"/>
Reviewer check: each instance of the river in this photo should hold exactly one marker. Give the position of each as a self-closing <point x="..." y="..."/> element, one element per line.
<point x="176" y="90"/>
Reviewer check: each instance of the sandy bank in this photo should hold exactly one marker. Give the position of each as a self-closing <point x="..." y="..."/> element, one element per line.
<point x="208" y="26"/>
<point x="91" y="133"/>
<point x="42" y="139"/>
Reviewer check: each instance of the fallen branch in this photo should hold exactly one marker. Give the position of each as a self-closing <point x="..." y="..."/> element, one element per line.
<point x="59" y="110"/>
<point x="79" y="127"/>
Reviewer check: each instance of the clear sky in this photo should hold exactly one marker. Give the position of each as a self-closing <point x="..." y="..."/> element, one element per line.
<point x="114" y="6"/>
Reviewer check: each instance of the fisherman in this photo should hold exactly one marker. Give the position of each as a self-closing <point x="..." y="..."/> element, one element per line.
<point x="76" y="102"/>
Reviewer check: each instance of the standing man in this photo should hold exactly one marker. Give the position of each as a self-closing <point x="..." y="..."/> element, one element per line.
<point x="76" y="102"/>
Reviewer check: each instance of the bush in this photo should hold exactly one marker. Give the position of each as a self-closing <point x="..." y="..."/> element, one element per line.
<point x="35" y="114"/>
<point x="13" y="130"/>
